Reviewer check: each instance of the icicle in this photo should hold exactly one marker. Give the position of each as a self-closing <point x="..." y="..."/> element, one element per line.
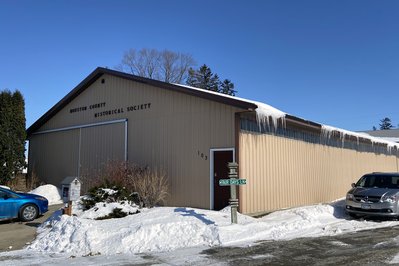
<point x="266" y="113"/>
<point x="327" y="131"/>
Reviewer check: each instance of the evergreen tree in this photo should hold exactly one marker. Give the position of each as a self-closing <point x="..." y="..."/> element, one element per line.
<point x="385" y="124"/>
<point x="227" y="87"/>
<point x="12" y="134"/>
<point x="204" y="78"/>
<point x="19" y="130"/>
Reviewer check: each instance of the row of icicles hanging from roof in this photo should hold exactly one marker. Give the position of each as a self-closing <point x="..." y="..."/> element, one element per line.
<point x="268" y="117"/>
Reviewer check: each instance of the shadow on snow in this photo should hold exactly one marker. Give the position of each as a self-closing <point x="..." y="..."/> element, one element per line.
<point x="199" y="216"/>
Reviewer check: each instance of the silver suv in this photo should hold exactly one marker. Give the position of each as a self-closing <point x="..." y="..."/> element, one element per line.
<point x="375" y="194"/>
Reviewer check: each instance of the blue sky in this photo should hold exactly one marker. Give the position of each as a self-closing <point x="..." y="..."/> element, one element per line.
<point x="332" y="62"/>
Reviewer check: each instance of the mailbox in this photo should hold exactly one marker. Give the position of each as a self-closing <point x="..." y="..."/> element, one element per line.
<point x="70" y="189"/>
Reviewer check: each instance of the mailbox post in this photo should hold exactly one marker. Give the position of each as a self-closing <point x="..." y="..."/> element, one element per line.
<point x="70" y="189"/>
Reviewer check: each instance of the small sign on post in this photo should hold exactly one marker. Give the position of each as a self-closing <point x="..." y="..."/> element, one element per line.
<point x="233" y="181"/>
<point x="230" y="182"/>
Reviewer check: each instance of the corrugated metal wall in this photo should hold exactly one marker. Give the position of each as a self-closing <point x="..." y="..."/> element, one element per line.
<point x="54" y="156"/>
<point x="171" y="134"/>
<point x="73" y="152"/>
<point x="99" y="143"/>
<point x="283" y="172"/>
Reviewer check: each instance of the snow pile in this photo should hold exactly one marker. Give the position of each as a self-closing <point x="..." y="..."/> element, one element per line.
<point x="158" y="229"/>
<point x="50" y="192"/>
<point x="167" y="228"/>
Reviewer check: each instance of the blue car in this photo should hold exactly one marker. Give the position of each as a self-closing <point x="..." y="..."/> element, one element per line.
<point x="26" y="207"/>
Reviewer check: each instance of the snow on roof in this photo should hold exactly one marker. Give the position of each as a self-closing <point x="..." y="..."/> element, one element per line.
<point x="391" y="139"/>
<point x="328" y="131"/>
<point x="266" y="112"/>
<point x="384" y="133"/>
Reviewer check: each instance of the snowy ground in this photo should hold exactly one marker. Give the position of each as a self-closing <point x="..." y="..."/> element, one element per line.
<point x="174" y="230"/>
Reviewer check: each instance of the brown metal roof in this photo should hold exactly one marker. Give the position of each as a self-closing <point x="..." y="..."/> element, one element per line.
<point x="98" y="72"/>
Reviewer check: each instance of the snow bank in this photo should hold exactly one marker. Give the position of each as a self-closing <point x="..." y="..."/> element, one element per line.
<point x="50" y="192"/>
<point x="167" y="228"/>
<point x="158" y="229"/>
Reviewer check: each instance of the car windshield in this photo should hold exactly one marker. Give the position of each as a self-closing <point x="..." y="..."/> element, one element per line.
<point x="379" y="181"/>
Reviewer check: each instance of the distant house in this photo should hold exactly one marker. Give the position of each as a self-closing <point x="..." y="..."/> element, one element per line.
<point x="390" y="135"/>
<point x="192" y="134"/>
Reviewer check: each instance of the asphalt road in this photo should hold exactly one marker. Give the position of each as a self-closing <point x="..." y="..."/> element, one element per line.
<point x="371" y="247"/>
<point x="15" y="234"/>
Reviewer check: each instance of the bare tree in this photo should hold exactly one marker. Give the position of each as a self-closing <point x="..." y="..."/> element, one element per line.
<point x="144" y="63"/>
<point x="163" y="65"/>
<point x="174" y="66"/>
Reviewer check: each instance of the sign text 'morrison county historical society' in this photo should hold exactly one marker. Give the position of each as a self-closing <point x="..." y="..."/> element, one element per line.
<point x="110" y="111"/>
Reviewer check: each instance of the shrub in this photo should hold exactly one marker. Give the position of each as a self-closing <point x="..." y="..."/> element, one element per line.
<point x="116" y="213"/>
<point x="105" y="193"/>
<point x="150" y="187"/>
<point x="142" y="185"/>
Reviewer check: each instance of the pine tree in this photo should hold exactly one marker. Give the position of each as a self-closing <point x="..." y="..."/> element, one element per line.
<point x="385" y="124"/>
<point x="227" y="87"/>
<point x="12" y="134"/>
<point x="204" y="78"/>
<point x="19" y="123"/>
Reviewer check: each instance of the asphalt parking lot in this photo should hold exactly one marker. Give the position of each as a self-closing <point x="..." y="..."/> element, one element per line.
<point x="16" y="234"/>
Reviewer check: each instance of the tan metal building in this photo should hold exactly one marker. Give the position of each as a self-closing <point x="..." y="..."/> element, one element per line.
<point x="191" y="134"/>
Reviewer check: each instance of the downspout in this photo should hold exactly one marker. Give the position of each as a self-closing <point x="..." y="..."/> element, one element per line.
<point x="126" y="139"/>
<point x="79" y="152"/>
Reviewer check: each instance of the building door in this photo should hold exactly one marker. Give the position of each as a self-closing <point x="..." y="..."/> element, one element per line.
<point x="81" y="150"/>
<point x="221" y="194"/>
